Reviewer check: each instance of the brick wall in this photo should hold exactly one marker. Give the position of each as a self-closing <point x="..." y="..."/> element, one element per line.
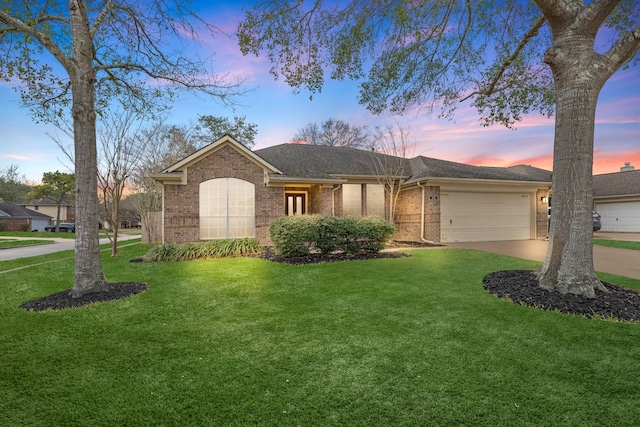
<point x="408" y="214"/>
<point x="14" y="224"/>
<point x="542" y="223"/>
<point x="181" y="202"/>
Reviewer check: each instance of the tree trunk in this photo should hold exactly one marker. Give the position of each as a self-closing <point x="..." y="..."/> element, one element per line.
<point x="89" y="276"/>
<point x="568" y="267"/>
<point x="57" y="229"/>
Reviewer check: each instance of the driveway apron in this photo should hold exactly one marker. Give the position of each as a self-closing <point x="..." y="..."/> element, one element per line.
<point x="622" y="262"/>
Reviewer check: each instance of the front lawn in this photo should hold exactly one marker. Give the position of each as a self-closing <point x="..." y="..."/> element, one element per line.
<point x="244" y="341"/>
<point x="621" y="244"/>
<point x="12" y="243"/>
<point x="44" y="234"/>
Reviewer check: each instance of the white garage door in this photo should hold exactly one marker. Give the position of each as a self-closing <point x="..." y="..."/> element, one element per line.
<point x="477" y="217"/>
<point x="620" y="216"/>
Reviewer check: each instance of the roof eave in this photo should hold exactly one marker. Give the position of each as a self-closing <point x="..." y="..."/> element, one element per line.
<point x="284" y="179"/>
<point x="478" y="181"/>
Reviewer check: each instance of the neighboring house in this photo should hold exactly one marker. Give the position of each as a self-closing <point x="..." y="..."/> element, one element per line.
<point x="49" y="206"/>
<point x="225" y="190"/>
<point x="15" y="217"/>
<point x="616" y="197"/>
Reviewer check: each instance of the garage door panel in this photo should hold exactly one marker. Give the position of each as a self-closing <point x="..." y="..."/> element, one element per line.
<point x="620" y="216"/>
<point x="468" y="217"/>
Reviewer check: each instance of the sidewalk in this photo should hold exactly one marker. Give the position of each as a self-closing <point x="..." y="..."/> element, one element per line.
<point x="43" y="249"/>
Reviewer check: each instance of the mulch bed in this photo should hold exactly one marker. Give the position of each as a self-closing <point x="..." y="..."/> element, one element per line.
<point x="62" y="300"/>
<point x="521" y="287"/>
<point x="318" y="258"/>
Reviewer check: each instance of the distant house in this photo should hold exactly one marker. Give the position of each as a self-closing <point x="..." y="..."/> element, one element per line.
<point x="18" y="218"/>
<point x="225" y="190"/>
<point x="616" y="197"/>
<point x="49" y="206"/>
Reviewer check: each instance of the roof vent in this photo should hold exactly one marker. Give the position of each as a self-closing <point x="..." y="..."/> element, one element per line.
<point x="627" y="167"/>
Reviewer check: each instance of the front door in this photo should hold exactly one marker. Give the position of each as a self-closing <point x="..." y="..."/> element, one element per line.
<point x="295" y="204"/>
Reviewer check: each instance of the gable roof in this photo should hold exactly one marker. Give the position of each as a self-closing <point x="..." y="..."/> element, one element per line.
<point x="48" y="200"/>
<point x="176" y="170"/>
<point x="331" y="163"/>
<point x="617" y="184"/>
<point x="15" y="211"/>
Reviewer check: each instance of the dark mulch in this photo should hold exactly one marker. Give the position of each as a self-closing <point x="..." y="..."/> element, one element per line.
<point x="521" y="287"/>
<point x="318" y="258"/>
<point x="62" y="300"/>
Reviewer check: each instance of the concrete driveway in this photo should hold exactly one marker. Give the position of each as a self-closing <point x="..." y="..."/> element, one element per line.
<point x="622" y="262"/>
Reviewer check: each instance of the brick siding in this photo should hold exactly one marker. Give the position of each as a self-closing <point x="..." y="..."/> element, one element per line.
<point x="408" y="214"/>
<point x="181" y="202"/>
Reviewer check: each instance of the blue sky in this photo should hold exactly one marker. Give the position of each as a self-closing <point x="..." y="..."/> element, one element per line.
<point x="279" y="113"/>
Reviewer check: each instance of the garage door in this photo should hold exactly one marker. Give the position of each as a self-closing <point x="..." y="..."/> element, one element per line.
<point x="620" y="216"/>
<point x="477" y="217"/>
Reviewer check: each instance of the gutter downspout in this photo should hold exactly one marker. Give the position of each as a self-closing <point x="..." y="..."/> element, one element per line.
<point x="423" y="187"/>
<point x="333" y="200"/>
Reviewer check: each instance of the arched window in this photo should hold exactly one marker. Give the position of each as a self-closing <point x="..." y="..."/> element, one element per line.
<point x="227" y="209"/>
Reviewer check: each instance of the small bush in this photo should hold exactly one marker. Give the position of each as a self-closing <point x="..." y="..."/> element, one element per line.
<point x="203" y="250"/>
<point x="24" y="227"/>
<point x="298" y="235"/>
<point x="293" y="235"/>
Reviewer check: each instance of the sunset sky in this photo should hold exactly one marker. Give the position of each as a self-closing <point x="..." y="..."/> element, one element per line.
<point x="279" y="113"/>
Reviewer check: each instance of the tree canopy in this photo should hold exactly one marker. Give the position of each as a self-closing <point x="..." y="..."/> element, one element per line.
<point x="210" y="128"/>
<point x="13" y="185"/>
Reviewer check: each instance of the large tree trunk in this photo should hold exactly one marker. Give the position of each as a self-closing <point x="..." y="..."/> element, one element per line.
<point x="89" y="276"/>
<point x="568" y="267"/>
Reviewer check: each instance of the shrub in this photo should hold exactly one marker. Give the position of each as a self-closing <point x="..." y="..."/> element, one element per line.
<point x="293" y="235"/>
<point x="203" y="250"/>
<point x="2" y="225"/>
<point x="24" y="227"/>
<point x="298" y="235"/>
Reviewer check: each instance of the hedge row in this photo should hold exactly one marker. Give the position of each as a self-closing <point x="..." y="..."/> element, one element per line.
<point x="298" y="235"/>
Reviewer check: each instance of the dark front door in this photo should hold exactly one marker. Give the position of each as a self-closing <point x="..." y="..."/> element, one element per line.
<point x="295" y="204"/>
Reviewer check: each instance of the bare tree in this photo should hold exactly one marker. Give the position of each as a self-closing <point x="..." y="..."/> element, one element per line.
<point x="391" y="147"/>
<point x="333" y="132"/>
<point x="77" y="56"/>
<point x="436" y="53"/>
<point x="121" y="146"/>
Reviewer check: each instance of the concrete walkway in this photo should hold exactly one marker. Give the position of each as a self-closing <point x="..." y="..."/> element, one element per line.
<point x="622" y="262"/>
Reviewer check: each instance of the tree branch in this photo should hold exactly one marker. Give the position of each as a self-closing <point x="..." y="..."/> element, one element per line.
<point x="533" y="31"/>
<point x="21" y="27"/>
<point x="108" y="7"/>
<point x="595" y="13"/>
<point x="623" y="50"/>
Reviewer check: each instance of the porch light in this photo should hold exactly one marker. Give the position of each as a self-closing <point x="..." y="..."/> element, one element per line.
<point x="544" y="199"/>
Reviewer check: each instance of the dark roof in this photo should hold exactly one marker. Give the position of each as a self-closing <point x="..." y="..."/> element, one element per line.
<point x="325" y="162"/>
<point x="48" y="200"/>
<point x="322" y="161"/>
<point x="11" y="210"/>
<point x="617" y="184"/>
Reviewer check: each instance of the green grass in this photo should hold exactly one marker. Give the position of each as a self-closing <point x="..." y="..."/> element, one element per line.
<point x="243" y="341"/>
<point x="11" y="243"/>
<point x="38" y="234"/>
<point x="21" y="262"/>
<point x="621" y="244"/>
